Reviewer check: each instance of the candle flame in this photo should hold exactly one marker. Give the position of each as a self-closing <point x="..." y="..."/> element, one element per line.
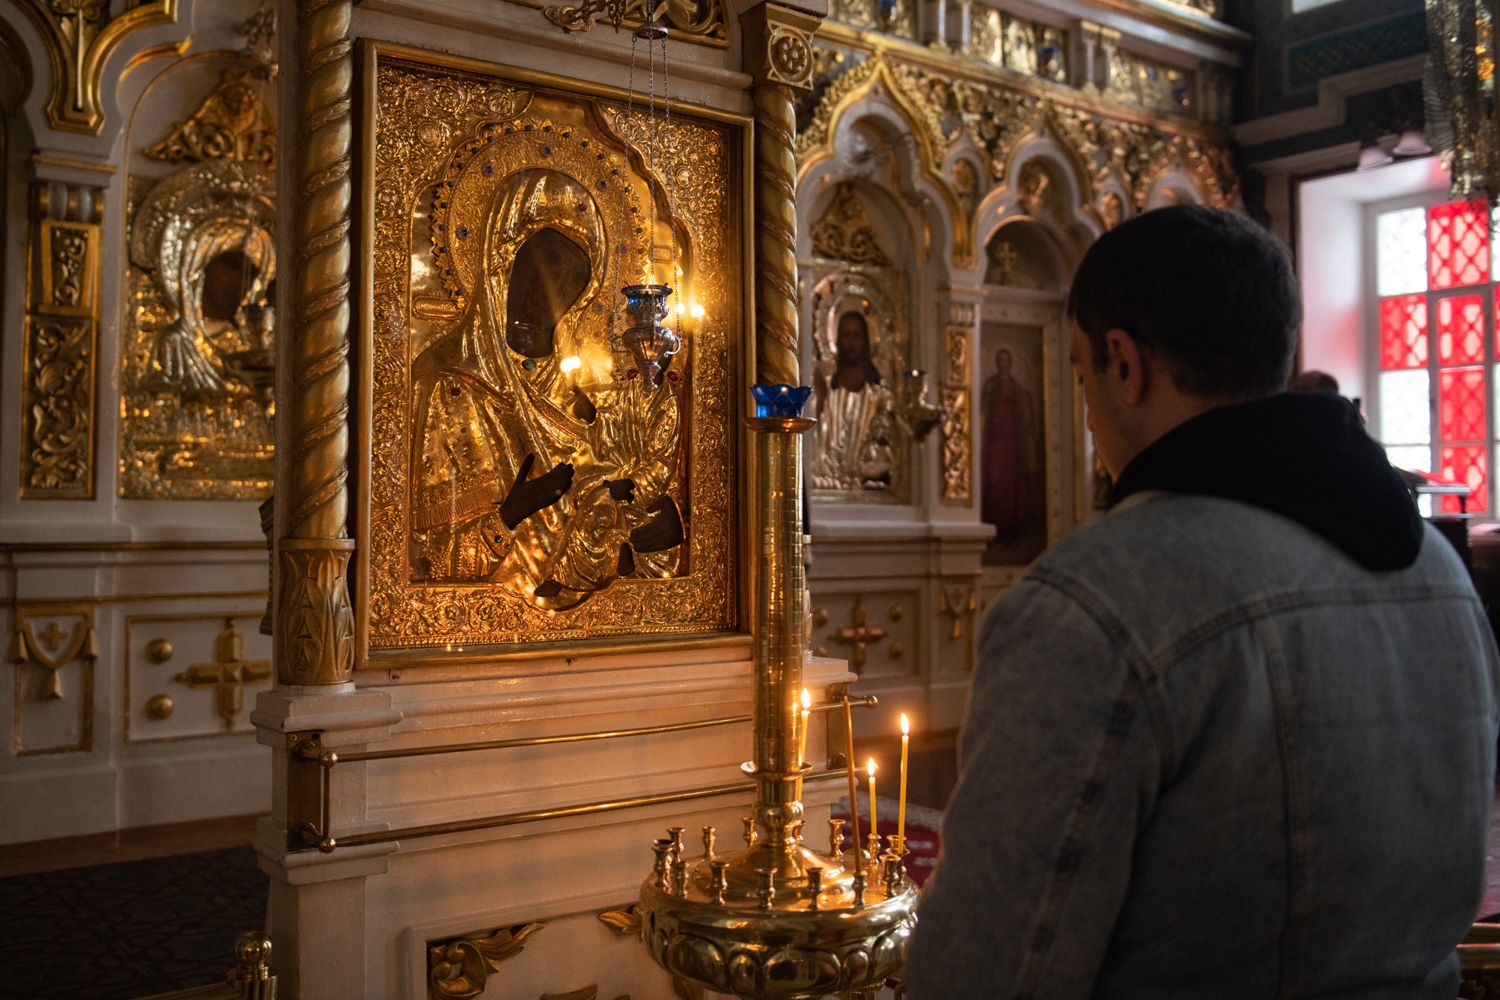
<point x="806" y="700"/>
<point x="697" y="311"/>
<point x="905" y="725"/>
<point x="870" y="767"/>
<point x="571" y="363"/>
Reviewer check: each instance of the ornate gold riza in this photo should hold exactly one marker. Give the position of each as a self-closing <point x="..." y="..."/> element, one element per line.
<point x="516" y="498"/>
<point x="314" y="621"/>
<point x="957" y="419"/>
<point x="199" y="324"/>
<point x="58" y="363"/>
<point x="80" y="35"/>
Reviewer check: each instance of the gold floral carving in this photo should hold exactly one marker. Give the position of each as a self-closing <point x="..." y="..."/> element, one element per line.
<point x="315" y="629"/>
<point x="957" y="372"/>
<point x="844" y="232"/>
<point x="459" y="968"/>
<point x="54" y="647"/>
<point x="957" y="462"/>
<point x="625" y="920"/>
<point x="447" y="140"/>
<point x="80" y="35"/>
<point x="59" y="409"/>
<point x="232" y="123"/>
<point x="693" y="20"/>
<point x="314" y="643"/>
<point x="58" y="363"/>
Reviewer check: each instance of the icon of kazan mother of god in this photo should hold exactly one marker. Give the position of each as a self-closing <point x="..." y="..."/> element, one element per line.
<point x="541" y="461"/>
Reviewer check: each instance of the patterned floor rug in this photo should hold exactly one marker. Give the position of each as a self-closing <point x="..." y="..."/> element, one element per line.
<point x="120" y="931"/>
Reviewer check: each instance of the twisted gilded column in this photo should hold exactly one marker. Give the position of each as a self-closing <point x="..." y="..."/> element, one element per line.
<point x="315" y="627"/>
<point x="778" y="54"/>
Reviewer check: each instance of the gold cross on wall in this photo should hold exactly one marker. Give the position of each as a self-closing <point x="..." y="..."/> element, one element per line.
<point x="228" y="674"/>
<point x="857" y="635"/>
<point x="52" y="636"/>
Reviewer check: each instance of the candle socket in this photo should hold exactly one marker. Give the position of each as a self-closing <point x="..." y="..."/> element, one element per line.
<point x="872" y="845"/>
<point x="814" y="887"/>
<point x="765" y="890"/>
<point x="749" y="822"/>
<point x="896" y="844"/>
<point x="679" y="849"/>
<point x="679" y="877"/>
<point x="893" y="873"/>
<point x="708" y="843"/>
<point x="662" y="847"/>
<point x="836" y="839"/>
<point x="858" y="885"/>
<point x="717" y="883"/>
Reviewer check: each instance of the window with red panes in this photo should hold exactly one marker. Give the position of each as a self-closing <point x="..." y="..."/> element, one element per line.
<point x="1437" y="315"/>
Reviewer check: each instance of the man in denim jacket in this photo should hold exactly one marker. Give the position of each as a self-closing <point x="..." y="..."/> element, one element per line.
<point x="1237" y="739"/>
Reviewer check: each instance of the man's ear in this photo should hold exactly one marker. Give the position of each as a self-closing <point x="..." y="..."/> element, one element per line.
<point x="1127" y="366"/>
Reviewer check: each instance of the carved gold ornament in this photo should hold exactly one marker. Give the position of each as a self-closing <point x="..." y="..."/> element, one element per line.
<point x="80" y="35"/>
<point x="957" y="601"/>
<point x="996" y="117"/>
<point x="459" y="968"/>
<point x="844" y="231"/>
<point x="53" y="647"/>
<point x="232" y="123"/>
<point x="59" y="359"/>
<point x="693" y="20"/>
<point x="533" y="486"/>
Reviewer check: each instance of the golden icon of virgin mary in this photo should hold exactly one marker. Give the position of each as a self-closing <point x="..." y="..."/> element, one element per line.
<point x="540" y="461"/>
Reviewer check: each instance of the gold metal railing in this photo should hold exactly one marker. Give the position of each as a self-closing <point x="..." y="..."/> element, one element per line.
<point x="310" y="804"/>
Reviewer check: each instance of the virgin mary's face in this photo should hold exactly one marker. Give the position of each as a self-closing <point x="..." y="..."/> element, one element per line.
<point x="549" y="274"/>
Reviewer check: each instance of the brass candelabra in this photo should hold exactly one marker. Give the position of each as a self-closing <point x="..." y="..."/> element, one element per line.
<point x="778" y="919"/>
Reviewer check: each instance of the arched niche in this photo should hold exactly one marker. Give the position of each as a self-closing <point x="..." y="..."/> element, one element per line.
<point x="1175" y="186"/>
<point x="1026" y="254"/>
<point x="198" y="315"/>
<point x="1043" y="183"/>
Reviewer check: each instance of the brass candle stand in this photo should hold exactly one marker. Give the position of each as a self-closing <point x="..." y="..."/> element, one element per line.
<point x="778" y="919"/>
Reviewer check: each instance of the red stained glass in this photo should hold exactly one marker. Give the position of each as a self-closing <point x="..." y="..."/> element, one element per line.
<point x="1461" y="404"/>
<point x="1466" y="464"/>
<point x="1458" y="244"/>
<point x="1461" y="330"/>
<point x="1403" y="332"/>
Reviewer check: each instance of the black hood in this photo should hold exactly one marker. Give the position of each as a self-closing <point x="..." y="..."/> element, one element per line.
<point x="1305" y="456"/>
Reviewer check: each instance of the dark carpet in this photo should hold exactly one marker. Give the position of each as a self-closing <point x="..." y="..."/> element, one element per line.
<point x="120" y="931"/>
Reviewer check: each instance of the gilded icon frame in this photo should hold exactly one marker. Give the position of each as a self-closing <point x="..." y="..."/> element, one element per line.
<point x="732" y="347"/>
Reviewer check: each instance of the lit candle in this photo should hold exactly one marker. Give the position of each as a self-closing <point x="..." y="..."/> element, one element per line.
<point x="870" y="771"/>
<point x="802" y="737"/>
<point x="901" y="809"/>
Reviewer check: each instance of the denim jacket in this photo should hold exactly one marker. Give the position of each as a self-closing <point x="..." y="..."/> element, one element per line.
<point x="1209" y="755"/>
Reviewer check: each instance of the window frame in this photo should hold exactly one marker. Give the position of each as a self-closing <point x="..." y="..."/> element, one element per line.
<point x="1490" y="361"/>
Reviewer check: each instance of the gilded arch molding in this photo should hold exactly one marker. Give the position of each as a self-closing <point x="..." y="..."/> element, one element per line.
<point x="904" y="86"/>
<point x="1102" y="150"/>
<point x="80" y="36"/>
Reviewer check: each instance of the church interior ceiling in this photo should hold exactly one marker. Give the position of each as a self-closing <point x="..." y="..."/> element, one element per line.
<point x="532" y="477"/>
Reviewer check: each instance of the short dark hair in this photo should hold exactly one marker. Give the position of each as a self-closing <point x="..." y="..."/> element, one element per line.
<point x="1209" y="291"/>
